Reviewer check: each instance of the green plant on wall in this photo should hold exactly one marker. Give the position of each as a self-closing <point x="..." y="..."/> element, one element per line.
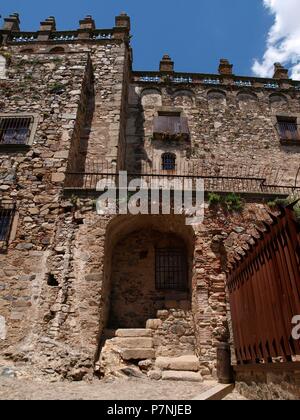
<point x="214" y="199"/>
<point x="283" y="202"/>
<point x="233" y="202"/>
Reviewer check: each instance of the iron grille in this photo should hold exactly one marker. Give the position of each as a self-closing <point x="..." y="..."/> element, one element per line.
<point x="168" y="162"/>
<point x="15" y="131"/>
<point x="6" y="218"/>
<point x="171" y="269"/>
<point x="288" y="130"/>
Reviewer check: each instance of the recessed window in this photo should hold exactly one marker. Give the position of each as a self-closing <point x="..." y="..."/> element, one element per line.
<point x="168" y="162"/>
<point x="171" y="269"/>
<point x="288" y="129"/>
<point x="171" y="126"/>
<point x="17" y="130"/>
<point x="6" y="219"/>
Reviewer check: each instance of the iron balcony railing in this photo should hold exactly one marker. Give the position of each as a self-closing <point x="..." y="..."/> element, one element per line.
<point x="230" y="178"/>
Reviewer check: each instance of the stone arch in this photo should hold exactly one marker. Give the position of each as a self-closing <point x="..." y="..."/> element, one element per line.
<point x="278" y="101"/>
<point x="3" y="65"/>
<point x="27" y="51"/>
<point x="275" y="98"/>
<point x="247" y="100"/>
<point x="151" y="97"/>
<point x="57" y="50"/>
<point x="184" y="97"/>
<point x="129" y="270"/>
<point x="244" y="96"/>
<point x="217" y="99"/>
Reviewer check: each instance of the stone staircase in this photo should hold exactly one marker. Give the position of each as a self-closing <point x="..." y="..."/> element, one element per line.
<point x="132" y="352"/>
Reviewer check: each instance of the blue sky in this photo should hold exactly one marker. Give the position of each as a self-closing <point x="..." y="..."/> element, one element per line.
<point x="196" y="33"/>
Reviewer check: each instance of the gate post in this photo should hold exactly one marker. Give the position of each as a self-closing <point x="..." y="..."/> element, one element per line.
<point x="224" y="368"/>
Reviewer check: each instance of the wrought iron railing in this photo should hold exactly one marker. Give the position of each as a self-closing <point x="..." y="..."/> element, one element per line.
<point x="230" y="178"/>
<point x="64" y="36"/>
<point x="101" y="34"/>
<point x="23" y="37"/>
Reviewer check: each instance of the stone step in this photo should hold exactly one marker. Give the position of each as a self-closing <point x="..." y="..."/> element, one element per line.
<point x="133" y="332"/>
<point x="182" y="363"/>
<point x="137" y="354"/>
<point x="175" y="375"/>
<point x="133" y="342"/>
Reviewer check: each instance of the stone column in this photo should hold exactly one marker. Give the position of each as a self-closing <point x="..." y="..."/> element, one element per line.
<point x="122" y="28"/>
<point x="11" y="24"/>
<point x="87" y="25"/>
<point x="46" y="27"/>
<point x="166" y="65"/>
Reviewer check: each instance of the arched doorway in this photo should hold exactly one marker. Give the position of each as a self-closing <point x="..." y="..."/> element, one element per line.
<point x="149" y="267"/>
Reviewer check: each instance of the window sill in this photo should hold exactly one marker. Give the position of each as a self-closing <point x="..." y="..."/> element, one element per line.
<point x="14" y="148"/>
<point x="289" y="142"/>
<point x="171" y="137"/>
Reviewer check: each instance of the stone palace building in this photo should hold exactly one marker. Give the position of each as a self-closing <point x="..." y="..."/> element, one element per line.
<point x="83" y="293"/>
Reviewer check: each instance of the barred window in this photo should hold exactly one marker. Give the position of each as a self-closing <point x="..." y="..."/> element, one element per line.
<point x="168" y="162"/>
<point x="6" y="218"/>
<point x="288" y="128"/>
<point x="171" y="269"/>
<point x="15" y="131"/>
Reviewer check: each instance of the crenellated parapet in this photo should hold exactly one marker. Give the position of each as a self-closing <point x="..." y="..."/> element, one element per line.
<point x="225" y="78"/>
<point x="11" y="34"/>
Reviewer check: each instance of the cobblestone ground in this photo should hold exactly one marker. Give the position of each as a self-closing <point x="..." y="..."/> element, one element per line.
<point x="120" y="389"/>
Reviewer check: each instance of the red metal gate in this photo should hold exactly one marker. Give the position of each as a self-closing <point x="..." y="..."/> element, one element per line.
<point x="264" y="290"/>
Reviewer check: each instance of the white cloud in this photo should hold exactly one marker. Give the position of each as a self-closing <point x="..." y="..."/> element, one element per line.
<point x="283" y="43"/>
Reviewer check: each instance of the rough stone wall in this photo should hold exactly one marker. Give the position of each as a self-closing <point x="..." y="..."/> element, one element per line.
<point x="174" y="332"/>
<point x="278" y="382"/>
<point x="62" y="89"/>
<point x="229" y="127"/>
<point x="33" y="179"/>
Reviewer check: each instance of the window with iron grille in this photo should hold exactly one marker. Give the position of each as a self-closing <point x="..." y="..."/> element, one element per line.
<point x="171" y="269"/>
<point x="288" y="129"/>
<point x="15" y="131"/>
<point x="168" y="162"/>
<point x="6" y="219"/>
